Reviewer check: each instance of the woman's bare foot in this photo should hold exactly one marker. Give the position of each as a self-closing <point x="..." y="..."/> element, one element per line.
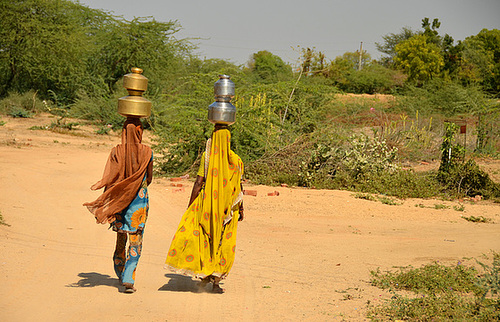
<point x="204" y="282"/>
<point x="217" y="289"/>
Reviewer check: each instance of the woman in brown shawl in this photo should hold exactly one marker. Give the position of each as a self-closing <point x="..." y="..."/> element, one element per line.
<point x="125" y="202"/>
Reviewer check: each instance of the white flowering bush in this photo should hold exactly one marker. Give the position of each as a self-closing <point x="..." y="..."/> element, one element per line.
<point x="357" y="158"/>
<point x="366" y="156"/>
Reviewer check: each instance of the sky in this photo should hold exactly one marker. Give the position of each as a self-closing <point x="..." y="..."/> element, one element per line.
<point x="234" y="30"/>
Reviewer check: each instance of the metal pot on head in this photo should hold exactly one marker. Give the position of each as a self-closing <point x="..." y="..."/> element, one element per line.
<point x="222" y="111"/>
<point x="134" y="105"/>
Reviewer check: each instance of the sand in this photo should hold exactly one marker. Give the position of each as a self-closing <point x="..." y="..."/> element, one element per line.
<point x="301" y="255"/>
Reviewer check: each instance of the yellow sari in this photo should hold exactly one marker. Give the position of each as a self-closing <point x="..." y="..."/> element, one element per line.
<point x="205" y="241"/>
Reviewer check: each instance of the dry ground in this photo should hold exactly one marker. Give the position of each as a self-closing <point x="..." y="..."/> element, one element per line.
<point x="302" y="255"/>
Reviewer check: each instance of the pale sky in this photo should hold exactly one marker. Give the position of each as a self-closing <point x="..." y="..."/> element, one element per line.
<point x="234" y="30"/>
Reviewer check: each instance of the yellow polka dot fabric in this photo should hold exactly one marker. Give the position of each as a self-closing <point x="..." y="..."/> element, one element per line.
<point x="205" y="241"/>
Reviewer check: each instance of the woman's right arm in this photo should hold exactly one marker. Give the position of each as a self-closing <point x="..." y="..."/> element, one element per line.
<point x="198" y="184"/>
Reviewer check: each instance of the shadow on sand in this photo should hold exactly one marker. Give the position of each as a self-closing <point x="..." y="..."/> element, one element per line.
<point x="181" y="283"/>
<point x="95" y="279"/>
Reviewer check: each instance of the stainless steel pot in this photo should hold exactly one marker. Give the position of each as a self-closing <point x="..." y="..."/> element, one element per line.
<point x="222" y="111"/>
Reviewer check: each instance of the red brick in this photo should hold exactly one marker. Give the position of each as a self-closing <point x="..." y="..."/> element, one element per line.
<point x="250" y="192"/>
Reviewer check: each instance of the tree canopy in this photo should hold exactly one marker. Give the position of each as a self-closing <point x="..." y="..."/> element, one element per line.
<point x="62" y="47"/>
<point x="420" y="60"/>
<point x="268" y="68"/>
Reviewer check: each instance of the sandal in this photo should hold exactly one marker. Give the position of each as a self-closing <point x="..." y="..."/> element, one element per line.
<point x="129" y="288"/>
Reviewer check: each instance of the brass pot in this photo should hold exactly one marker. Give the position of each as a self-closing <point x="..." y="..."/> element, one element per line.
<point x="134" y="105"/>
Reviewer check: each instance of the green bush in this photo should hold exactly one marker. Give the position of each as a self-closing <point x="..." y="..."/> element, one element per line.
<point x="441" y="293"/>
<point x="468" y="179"/>
<point x="442" y="97"/>
<point x="354" y="159"/>
<point x="22" y="105"/>
<point x="429" y="279"/>
<point x="371" y="80"/>
<point x="100" y="109"/>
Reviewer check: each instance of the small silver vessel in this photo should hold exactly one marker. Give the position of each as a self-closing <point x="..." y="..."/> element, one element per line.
<point x="222" y="111"/>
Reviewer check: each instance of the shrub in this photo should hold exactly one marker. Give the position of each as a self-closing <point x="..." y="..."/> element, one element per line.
<point x="355" y="159"/>
<point x="461" y="177"/>
<point x="100" y="109"/>
<point x="441" y="97"/>
<point x="440" y="293"/>
<point x="22" y="105"/>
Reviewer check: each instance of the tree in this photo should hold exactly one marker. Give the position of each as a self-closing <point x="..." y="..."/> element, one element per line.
<point x="481" y="59"/>
<point x="341" y="67"/>
<point x="42" y="46"/>
<point x="391" y="41"/>
<point x="430" y="31"/>
<point x="373" y="79"/>
<point x="141" y="42"/>
<point x="268" y="68"/>
<point x="420" y="60"/>
<point x="60" y="49"/>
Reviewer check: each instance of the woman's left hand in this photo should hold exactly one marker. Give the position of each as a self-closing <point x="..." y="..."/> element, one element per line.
<point x="242" y="216"/>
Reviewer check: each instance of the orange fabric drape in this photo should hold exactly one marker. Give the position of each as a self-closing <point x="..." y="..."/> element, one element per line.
<point x="123" y="175"/>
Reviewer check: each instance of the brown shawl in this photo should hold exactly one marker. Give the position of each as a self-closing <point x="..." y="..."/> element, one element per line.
<point x="123" y="174"/>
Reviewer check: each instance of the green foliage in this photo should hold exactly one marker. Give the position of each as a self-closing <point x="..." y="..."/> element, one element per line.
<point x="429" y="279"/>
<point x="313" y="63"/>
<point x="481" y="59"/>
<point x="273" y="119"/>
<point x="142" y="42"/>
<point x="462" y="177"/>
<point x="292" y="128"/>
<point x="361" y="157"/>
<point x="383" y="199"/>
<point x="489" y="282"/>
<point x="441" y="293"/>
<point x="442" y="97"/>
<point x="67" y="48"/>
<point x="445" y="307"/>
<point x="400" y="183"/>
<point x="43" y="44"/>
<point x="468" y="179"/>
<point x="366" y="165"/>
<point x="480" y="219"/>
<point x="392" y="40"/>
<point x="441" y="206"/>
<point x="268" y="68"/>
<point x="420" y="60"/>
<point x="99" y="108"/>
<point x="488" y="128"/>
<point x="430" y="31"/>
<point x="365" y="196"/>
<point x="371" y="79"/>
<point x="104" y="130"/>
<point x="415" y="138"/>
<point x="451" y="153"/>
<point x="22" y="105"/>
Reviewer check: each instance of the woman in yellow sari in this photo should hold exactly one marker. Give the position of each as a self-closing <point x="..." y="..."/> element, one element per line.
<point x="205" y="242"/>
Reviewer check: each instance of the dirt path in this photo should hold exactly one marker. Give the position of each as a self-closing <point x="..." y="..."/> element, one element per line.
<point x="302" y="255"/>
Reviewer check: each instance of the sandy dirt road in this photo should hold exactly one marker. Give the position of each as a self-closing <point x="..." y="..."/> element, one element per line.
<point x="302" y="255"/>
